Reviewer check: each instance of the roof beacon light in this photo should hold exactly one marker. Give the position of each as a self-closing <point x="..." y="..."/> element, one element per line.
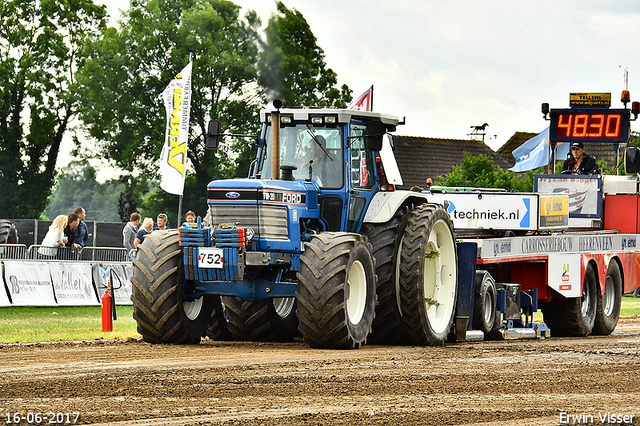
<point x="545" y="109"/>
<point x="635" y="109"/>
<point x="626" y="97"/>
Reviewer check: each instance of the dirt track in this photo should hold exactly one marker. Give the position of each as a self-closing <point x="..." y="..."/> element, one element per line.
<point x="495" y="383"/>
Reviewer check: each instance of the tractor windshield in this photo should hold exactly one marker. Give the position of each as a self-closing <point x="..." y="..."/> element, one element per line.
<point x="303" y="146"/>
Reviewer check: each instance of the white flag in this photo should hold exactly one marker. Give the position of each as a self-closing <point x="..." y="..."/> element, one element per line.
<point x="363" y="102"/>
<point x="173" y="160"/>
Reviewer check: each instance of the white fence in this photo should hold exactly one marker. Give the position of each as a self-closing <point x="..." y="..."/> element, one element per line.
<point x="67" y="277"/>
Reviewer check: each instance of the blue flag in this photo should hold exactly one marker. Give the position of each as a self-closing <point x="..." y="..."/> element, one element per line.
<point x="534" y="153"/>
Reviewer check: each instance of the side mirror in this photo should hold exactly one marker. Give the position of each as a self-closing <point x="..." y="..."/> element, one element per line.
<point x="632" y="160"/>
<point x="376" y="132"/>
<point x="212" y="138"/>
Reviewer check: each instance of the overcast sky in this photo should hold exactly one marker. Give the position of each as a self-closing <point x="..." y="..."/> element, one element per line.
<point x="449" y="65"/>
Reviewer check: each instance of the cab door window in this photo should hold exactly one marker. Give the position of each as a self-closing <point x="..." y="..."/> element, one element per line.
<point x="361" y="159"/>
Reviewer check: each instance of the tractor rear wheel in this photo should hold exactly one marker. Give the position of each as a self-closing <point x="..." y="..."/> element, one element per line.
<point x="163" y="316"/>
<point x="266" y="320"/>
<point x="576" y="316"/>
<point x="608" y="306"/>
<point x="218" y="329"/>
<point x="428" y="275"/>
<point x="8" y="232"/>
<point x="387" y="327"/>
<point x="336" y="292"/>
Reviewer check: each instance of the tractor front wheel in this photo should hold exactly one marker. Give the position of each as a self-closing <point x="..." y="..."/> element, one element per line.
<point x="162" y="314"/>
<point x="336" y="290"/>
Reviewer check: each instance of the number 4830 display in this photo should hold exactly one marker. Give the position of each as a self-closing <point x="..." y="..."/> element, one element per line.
<point x="597" y="125"/>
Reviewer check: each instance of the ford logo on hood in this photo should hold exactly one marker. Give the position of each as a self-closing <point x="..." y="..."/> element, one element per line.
<point x="232" y="195"/>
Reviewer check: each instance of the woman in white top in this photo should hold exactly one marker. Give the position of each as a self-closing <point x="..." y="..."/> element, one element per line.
<point x="55" y="237"/>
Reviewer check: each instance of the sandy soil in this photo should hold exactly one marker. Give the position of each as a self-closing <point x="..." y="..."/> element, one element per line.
<point x="534" y="382"/>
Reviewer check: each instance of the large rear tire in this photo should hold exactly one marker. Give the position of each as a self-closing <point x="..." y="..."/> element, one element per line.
<point x="387" y="327"/>
<point x="608" y="307"/>
<point x="428" y="275"/>
<point x="8" y="232"/>
<point x="218" y="329"/>
<point x="576" y="316"/>
<point x="266" y="320"/>
<point x="336" y="292"/>
<point x="158" y="306"/>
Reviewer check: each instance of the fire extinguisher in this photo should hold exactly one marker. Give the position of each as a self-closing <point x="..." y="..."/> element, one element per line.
<point x="107" y="320"/>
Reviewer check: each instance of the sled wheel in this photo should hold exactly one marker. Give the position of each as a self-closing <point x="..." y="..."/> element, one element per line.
<point x="336" y="290"/>
<point x="163" y="316"/>
<point x="484" y="302"/>
<point x="428" y="275"/>
<point x="575" y="316"/>
<point x="608" y="309"/>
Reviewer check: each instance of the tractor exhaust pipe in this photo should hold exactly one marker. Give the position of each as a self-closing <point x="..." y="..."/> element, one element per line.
<point x="275" y="140"/>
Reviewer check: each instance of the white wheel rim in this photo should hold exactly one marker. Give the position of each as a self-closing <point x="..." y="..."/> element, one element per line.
<point x="586" y="299"/>
<point x="356" y="292"/>
<point x="488" y="308"/>
<point x="608" y="297"/>
<point x="440" y="276"/>
<point x="283" y="305"/>
<point x="192" y="308"/>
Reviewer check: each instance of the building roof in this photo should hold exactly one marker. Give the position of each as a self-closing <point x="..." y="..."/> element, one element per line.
<point x="420" y="158"/>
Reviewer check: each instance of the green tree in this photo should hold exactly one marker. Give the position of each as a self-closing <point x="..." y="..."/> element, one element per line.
<point x="41" y="47"/>
<point x="292" y="64"/>
<point x="480" y="172"/>
<point x="131" y="66"/>
<point x="77" y="187"/>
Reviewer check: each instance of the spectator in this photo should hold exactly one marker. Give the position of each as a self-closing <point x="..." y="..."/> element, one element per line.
<point x="145" y="229"/>
<point x="191" y="220"/>
<point x="129" y="231"/>
<point x="70" y="230"/>
<point x="55" y="236"/>
<point x="161" y="221"/>
<point x="81" y="234"/>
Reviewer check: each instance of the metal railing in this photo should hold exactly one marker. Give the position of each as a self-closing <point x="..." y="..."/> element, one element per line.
<point x="38" y="252"/>
<point x="13" y="251"/>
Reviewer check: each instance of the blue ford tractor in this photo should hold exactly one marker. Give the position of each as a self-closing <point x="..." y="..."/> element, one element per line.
<point x="317" y="242"/>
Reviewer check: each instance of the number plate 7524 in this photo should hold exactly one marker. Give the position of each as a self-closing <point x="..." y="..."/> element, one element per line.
<point x="210" y="257"/>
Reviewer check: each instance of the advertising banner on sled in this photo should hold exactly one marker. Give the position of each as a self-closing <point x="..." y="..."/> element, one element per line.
<point x="119" y="275"/>
<point x="29" y="283"/>
<point x="72" y="284"/>
<point x="4" y="298"/>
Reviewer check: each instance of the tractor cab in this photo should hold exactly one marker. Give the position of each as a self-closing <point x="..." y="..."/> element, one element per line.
<point x="335" y="149"/>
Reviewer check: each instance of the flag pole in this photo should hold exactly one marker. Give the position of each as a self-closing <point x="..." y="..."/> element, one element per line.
<point x="185" y="161"/>
<point x="371" y="98"/>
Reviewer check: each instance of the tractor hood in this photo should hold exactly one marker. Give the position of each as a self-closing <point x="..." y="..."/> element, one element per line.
<point x="273" y="209"/>
<point x="263" y="192"/>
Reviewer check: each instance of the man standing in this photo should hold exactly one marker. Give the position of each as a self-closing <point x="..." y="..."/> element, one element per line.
<point x="580" y="163"/>
<point x="81" y="234"/>
<point x="161" y="221"/>
<point x="130" y="230"/>
<point x="70" y="231"/>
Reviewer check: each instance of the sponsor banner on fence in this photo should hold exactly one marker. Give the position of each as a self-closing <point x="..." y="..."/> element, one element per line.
<point x="72" y="284"/>
<point x="29" y="283"/>
<point x="4" y="298"/>
<point x="119" y="275"/>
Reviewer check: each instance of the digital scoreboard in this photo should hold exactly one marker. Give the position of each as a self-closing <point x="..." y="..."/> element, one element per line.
<point x="589" y="125"/>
